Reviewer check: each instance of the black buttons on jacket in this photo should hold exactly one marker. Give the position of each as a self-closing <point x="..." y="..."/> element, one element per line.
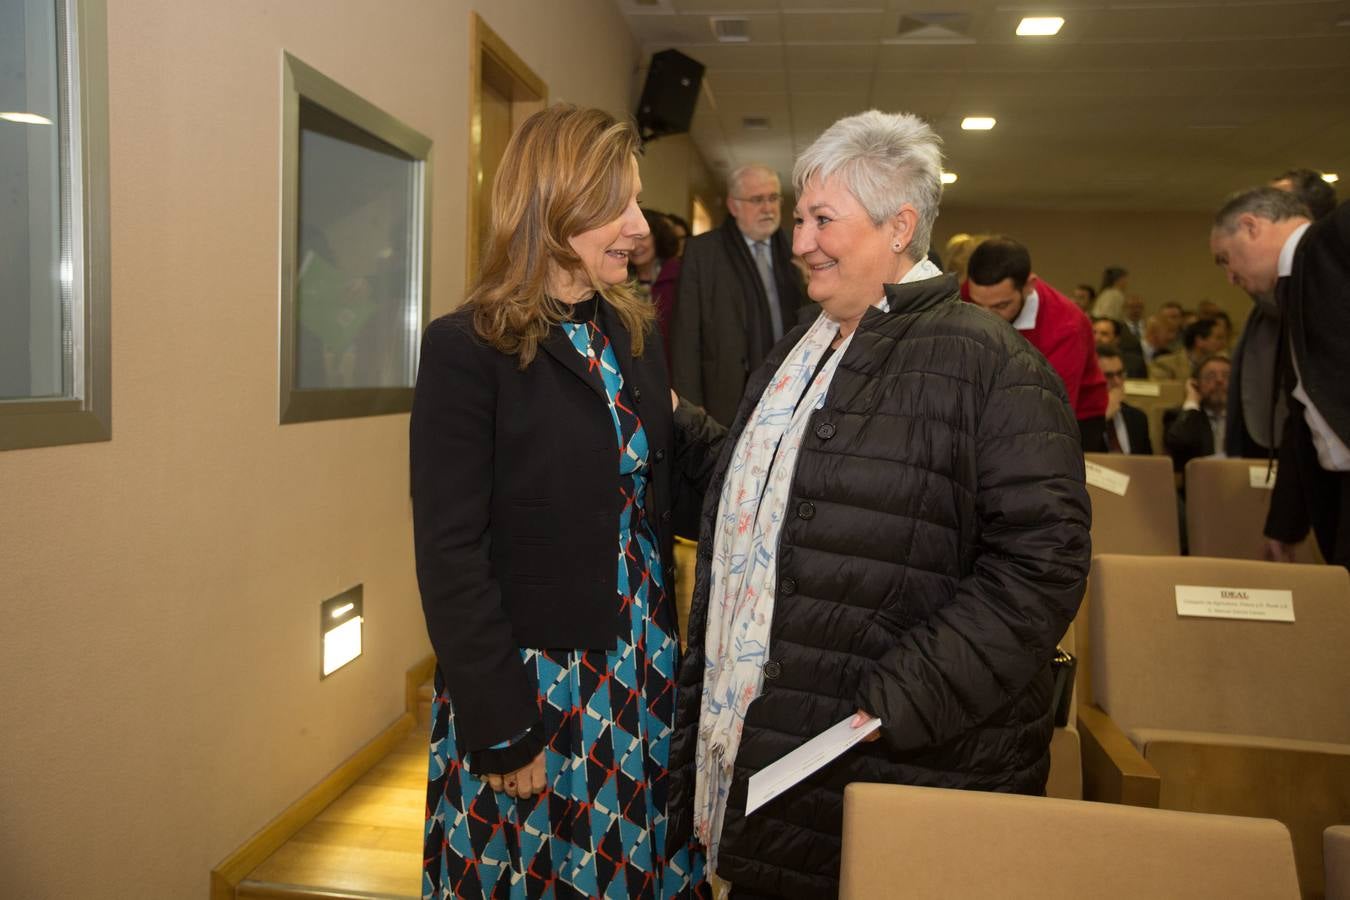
<point x="637" y="395"/>
<point x="660" y="455"/>
<point x="665" y="516"/>
<point x="825" y="430"/>
<point x="787" y="587"/>
<point x="806" y="510"/>
<point x="772" y="669"/>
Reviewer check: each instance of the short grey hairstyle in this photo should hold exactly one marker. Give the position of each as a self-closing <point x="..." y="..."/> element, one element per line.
<point x="740" y="172"/>
<point x="1264" y="203"/>
<point x="885" y="160"/>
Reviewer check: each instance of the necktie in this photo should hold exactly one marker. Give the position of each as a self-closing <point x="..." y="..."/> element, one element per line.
<point x="764" y="261"/>
<point x="1113" y="439"/>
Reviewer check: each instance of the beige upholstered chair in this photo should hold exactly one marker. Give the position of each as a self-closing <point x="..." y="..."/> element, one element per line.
<point x="1139" y="393"/>
<point x="1144" y="520"/>
<point x="1336" y="846"/>
<point x="1221" y="715"/>
<point x="1226" y="504"/>
<point x="903" y="842"/>
<point x="1066" y="755"/>
<point x="686" y="560"/>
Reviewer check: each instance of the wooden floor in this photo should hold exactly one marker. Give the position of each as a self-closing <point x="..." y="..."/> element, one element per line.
<point x="367" y="844"/>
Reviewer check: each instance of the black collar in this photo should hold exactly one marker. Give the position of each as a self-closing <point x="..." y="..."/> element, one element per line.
<point x="914" y="297"/>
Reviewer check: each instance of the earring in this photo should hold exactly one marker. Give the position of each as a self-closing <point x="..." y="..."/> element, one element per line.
<point x="895" y="247"/>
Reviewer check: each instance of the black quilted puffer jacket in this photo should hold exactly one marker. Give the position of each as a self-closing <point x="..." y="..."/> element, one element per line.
<point x="935" y="551"/>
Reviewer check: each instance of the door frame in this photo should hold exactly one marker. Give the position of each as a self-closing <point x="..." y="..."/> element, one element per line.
<point x="528" y="93"/>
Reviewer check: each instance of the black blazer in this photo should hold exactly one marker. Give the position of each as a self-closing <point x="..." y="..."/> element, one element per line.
<point x="721" y="330"/>
<point x="1187" y="435"/>
<point x="516" y="507"/>
<point x="1315" y="303"/>
<point x="1136" y="429"/>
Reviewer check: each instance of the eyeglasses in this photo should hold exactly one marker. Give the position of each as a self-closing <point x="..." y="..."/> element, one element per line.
<point x="761" y="199"/>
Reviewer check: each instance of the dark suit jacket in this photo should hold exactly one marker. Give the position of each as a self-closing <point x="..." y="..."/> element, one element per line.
<point x="515" y="488"/>
<point x="722" y="331"/>
<point x="1315" y="304"/>
<point x="1187" y="435"/>
<point x="1136" y="429"/>
<point x="1131" y="354"/>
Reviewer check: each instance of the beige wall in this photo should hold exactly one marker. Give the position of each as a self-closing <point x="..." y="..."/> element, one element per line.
<point x="159" y="690"/>
<point x="1167" y="253"/>
<point x="673" y="173"/>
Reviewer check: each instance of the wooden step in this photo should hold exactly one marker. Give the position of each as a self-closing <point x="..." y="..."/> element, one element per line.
<point x="365" y="845"/>
<point x="425" y="694"/>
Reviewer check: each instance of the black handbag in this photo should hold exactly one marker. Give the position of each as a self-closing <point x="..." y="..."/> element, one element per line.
<point x="1063" y="667"/>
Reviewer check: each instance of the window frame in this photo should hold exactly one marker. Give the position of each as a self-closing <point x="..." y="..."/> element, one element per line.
<point x="301" y="81"/>
<point x="86" y="414"/>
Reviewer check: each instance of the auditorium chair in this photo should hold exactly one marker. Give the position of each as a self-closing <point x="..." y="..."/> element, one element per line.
<point x="1226" y="504"/>
<point x="1155" y="398"/>
<point x="1066" y="755"/>
<point x="1336" y="844"/>
<point x="901" y="842"/>
<point x="1221" y="715"/>
<point x="686" y="561"/>
<point x="1145" y="520"/>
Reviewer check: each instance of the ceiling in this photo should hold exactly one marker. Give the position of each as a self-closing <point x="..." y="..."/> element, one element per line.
<point x="1138" y="105"/>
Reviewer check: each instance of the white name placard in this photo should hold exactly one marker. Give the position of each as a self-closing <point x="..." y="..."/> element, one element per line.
<point x="1235" y="603"/>
<point x="1142" y="388"/>
<point x="1258" y="477"/>
<point x="1107" y="479"/>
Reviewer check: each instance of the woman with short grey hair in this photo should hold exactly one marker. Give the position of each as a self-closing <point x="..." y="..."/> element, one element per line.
<point x="897" y="529"/>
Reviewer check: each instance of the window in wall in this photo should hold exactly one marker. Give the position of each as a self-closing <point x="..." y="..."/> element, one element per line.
<point x="354" y="267"/>
<point x="54" y="334"/>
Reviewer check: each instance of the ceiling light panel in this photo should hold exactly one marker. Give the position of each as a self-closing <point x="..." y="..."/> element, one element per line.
<point x="949" y="178"/>
<point x="978" y="123"/>
<point x="1039" y="26"/>
<point x="730" y="29"/>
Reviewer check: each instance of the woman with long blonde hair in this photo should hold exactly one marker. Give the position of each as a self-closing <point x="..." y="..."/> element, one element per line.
<point x="548" y="455"/>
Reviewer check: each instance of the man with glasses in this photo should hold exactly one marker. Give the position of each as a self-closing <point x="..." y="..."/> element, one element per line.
<point x="738" y="295"/>
<point x="1126" y="426"/>
<point x="1197" y="428"/>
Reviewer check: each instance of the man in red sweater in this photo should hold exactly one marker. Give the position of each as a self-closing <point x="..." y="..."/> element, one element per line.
<point x="1001" y="281"/>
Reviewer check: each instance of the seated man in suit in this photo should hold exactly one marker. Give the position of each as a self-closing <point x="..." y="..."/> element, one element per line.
<point x="1200" y="340"/>
<point x="1126" y="427"/>
<point x="1197" y="428"/>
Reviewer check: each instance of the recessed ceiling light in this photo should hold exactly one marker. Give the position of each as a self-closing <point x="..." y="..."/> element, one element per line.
<point x="949" y="178"/>
<point x="1039" y="26"/>
<point x="1330" y="177"/>
<point x="977" y="123"/>
<point x="25" y="118"/>
<point x="730" y="29"/>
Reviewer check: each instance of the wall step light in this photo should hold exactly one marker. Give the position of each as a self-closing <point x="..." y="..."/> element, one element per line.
<point x="340" y="625"/>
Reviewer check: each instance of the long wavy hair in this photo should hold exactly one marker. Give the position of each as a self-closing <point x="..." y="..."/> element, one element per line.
<point x="567" y="170"/>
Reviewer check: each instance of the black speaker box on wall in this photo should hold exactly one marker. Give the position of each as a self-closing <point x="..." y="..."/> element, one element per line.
<point x="669" y="96"/>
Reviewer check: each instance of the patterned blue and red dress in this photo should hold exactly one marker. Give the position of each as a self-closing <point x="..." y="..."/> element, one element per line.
<point x="599" y="829"/>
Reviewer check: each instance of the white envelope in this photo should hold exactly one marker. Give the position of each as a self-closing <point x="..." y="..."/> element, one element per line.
<point x="810" y="757"/>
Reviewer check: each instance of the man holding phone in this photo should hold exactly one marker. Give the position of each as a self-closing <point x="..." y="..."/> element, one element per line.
<point x="1197" y="428"/>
